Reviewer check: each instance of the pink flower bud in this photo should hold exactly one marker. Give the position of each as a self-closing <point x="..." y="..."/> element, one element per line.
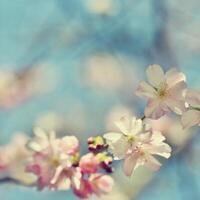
<point x="89" y="163"/>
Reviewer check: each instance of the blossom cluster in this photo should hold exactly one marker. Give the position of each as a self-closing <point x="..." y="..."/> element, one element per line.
<point x="58" y="164"/>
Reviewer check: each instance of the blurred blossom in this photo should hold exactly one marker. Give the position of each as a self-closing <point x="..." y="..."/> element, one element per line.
<point x="172" y="130"/>
<point x="42" y="73"/>
<point x="57" y="165"/>
<point x="16" y="87"/>
<point x="105" y="72"/>
<point x="13" y="159"/>
<point x="162" y="124"/>
<point x="165" y="91"/>
<point x="116" y="194"/>
<point x="12" y="89"/>
<point x="192" y="116"/>
<point x="53" y="160"/>
<point x="89" y="163"/>
<point x="103" y="7"/>
<point x="137" y="144"/>
<point x="51" y="121"/>
<point x="101" y="184"/>
<point x="183" y="27"/>
<point x="178" y="136"/>
<point x="97" y="184"/>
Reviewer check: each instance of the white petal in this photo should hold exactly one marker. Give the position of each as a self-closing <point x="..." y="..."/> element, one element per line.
<point x="38" y="132"/>
<point x="144" y="89"/>
<point x="120" y="148"/>
<point x="112" y="137"/>
<point x="145" y="137"/>
<point x="155" y="75"/>
<point x="118" y="144"/>
<point x="137" y="126"/>
<point x="163" y="150"/>
<point x="124" y="124"/>
<point x="34" y="146"/>
<point x="157" y="137"/>
<point x="190" y="118"/>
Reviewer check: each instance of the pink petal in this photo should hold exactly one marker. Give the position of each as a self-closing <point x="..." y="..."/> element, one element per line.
<point x="34" y="169"/>
<point x="152" y="163"/>
<point x="155" y="109"/>
<point x="177" y="106"/>
<point x="105" y="184"/>
<point x="85" y="189"/>
<point x="101" y="184"/>
<point x="89" y="164"/>
<point x="173" y="77"/>
<point x="193" y="98"/>
<point x="130" y="164"/>
<point x="178" y="91"/>
<point x="162" y="124"/>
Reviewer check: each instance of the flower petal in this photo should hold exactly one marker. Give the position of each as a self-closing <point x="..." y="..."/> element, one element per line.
<point x="152" y="163"/>
<point x="136" y="126"/>
<point x="154" y="109"/>
<point x="162" y="149"/>
<point x="124" y="124"/>
<point x="118" y="144"/>
<point x="57" y="174"/>
<point x="63" y="184"/>
<point x="129" y="164"/>
<point x="173" y="77"/>
<point x="193" y="98"/>
<point x="112" y="137"/>
<point x="190" y="118"/>
<point x="177" y="106"/>
<point x="178" y="91"/>
<point x="144" y="89"/>
<point x="70" y="144"/>
<point x="155" y="75"/>
<point x="157" y="137"/>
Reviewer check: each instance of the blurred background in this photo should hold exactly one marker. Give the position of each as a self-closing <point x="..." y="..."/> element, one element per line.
<point x="73" y="66"/>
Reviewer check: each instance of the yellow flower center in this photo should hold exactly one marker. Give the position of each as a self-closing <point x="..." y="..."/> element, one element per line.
<point x="162" y="92"/>
<point x="55" y="162"/>
<point x="131" y="138"/>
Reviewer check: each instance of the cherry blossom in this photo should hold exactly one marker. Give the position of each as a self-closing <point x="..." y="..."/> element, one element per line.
<point x="97" y="184"/>
<point x="53" y="159"/>
<point x="136" y="144"/>
<point x="56" y="163"/>
<point x="165" y="91"/>
<point x="192" y="116"/>
<point x="13" y="159"/>
<point x="89" y="163"/>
